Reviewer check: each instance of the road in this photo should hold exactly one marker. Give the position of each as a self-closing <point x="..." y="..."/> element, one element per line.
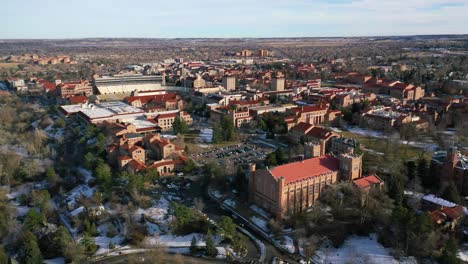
<point x="166" y="257"/>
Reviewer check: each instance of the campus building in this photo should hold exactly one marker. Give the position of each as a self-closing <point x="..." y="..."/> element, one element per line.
<point x="289" y="189"/>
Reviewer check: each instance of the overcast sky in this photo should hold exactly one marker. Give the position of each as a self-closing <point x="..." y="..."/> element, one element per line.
<point x="230" y="18"/>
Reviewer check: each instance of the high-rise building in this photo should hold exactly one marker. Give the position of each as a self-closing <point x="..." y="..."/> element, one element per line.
<point x="246" y="53"/>
<point x="229" y="83"/>
<point x="277" y="84"/>
<point x="263" y="53"/>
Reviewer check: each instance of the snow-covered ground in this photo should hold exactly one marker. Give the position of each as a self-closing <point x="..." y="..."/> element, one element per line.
<point x="55" y="133"/>
<point x="300" y="247"/>
<point x="22" y="210"/>
<point x="260" y="211"/>
<point x="287" y="243"/>
<point x="230" y="203"/>
<point x="170" y="240"/>
<point x="377" y="134"/>
<point x="153" y="229"/>
<point x="217" y="194"/>
<point x="355" y="249"/>
<point x="77" y="192"/>
<point x="103" y="243"/>
<point x="206" y="135"/>
<point x="157" y="212"/>
<point x="261" y="223"/>
<point x="221" y="253"/>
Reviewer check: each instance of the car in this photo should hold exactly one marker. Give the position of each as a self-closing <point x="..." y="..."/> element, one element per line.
<point x="180" y="174"/>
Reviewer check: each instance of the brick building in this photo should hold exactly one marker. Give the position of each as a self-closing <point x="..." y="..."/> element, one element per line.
<point x="292" y="188"/>
<point x="69" y="89"/>
<point x="451" y="166"/>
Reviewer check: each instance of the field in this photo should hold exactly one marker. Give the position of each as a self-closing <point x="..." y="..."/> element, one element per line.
<point x="8" y="65"/>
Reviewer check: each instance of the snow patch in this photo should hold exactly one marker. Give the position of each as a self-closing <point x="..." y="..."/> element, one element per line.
<point x="262" y="224"/>
<point x="287" y="243"/>
<point x="261" y="211"/>
<point x="355" y="249"/>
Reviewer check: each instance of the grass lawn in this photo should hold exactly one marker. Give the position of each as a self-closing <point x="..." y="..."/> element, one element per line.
<point x="8" y="65"/>
<point x="405" y="152"/>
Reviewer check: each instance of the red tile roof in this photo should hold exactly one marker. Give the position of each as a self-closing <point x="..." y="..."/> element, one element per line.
<point x="308" y="168"/>
<point x="438" y="217"/>
<point x="125" y="158"/>
<point x="321" y="133"/>
<point x="313" y="108"/>
<point x="170" y="115"/>
<point x="137" y="165"/>
<point x="302" y="127"/>
<point x="368" y="181"/>
<point x="453" y="212"/>
<point x="78" y="99"/>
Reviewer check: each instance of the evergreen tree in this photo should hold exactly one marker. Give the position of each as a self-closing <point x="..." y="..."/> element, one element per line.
<point x="193" y="245"/>
<point x="62" y="239"/>
<point x="217" y="134"/>
<point x="240" y="181"/>
<point x="210" y="247"/>
<point x="228" y="226"/>
<point x="428" y="178"/>
<point x="3" y="255"/>
<point x="29" y="252"/>
<point x="104" y="176"/>
<point x="180" y="125"/>
<point x="271" y="159"/>
<point x="262" y="125"/>
<point x="411" y="170"/>
<point x="451" y="193"/>
<point x="89" y="244"/>
<point x="449" y="255"/>
<point x="34" y="220"/>
<point x="280" y="156"/>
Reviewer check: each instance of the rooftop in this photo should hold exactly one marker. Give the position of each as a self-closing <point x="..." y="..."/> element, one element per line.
<point x="308" y="168"/>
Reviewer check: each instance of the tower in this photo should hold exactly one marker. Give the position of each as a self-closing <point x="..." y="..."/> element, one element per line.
<point x="277" y="84"/>
<point x="312" y="150"/>
<point x="350" y="166"/>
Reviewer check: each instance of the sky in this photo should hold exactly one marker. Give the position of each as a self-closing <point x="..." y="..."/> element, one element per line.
<point x="57" y="19"/>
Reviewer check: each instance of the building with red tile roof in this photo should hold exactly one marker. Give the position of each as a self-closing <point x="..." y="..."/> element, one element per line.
<point x="368" y="182"/>
<point x="289" y="189"/>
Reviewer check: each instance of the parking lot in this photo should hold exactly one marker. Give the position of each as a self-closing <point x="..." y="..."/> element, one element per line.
<point x="237" y="154"/>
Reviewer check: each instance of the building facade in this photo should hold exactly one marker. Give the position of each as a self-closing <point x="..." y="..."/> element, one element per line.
<point x="292" y="188"/>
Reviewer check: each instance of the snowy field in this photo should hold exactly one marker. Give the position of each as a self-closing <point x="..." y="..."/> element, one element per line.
<point x="103" y="243"/>
<point x="230" y="203"/>
<point x="261" y="223"/>
<point x="260" y="211"/>
<point x="355" y="249"/>
<point x="170" y="240"/>
<point x="157" y="213"/>
<point x="287" y="243"/>
<point x="206" y="135"/>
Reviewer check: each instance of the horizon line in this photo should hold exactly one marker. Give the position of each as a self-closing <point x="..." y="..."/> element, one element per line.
<point x="279" y="37"/>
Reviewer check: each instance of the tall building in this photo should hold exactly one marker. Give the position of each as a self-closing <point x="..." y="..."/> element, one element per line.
<point x="229" y="83"/>
<point x="277" y="84"/>
<point x="246" y="53"/>
<point x="263" y="53"/>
